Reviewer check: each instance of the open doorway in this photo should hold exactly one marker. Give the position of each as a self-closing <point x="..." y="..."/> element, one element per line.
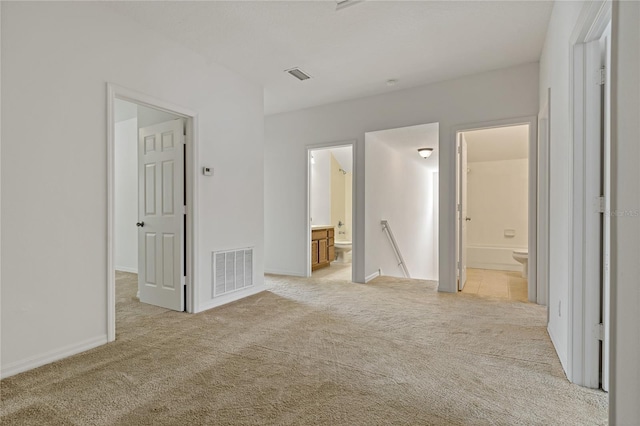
<point x="493" y="191"/>
<point x="149" y="204"/>
<point x="496" y="240"/>
<point x="150" y="195"/>
<point x="401" y="202"/>
<point x="331" y="212"/>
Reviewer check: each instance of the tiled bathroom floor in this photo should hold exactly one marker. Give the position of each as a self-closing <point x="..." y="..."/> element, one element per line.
<point x="505" y="284"/>
<point x="335" y="271"/>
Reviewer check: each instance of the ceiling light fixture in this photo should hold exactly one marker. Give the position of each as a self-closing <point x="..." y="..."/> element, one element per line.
<point x="341" y="4"/>
<point x="425" y="152"/>
<point x="298" y="73"/>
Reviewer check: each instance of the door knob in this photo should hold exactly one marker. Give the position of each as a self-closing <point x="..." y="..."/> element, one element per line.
<point x="468" y="219"/>
<point x="140" y="224"/>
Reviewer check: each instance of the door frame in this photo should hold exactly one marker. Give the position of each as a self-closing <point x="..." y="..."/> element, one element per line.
<point x="461" y="145"/>
<point x="544" y="215"/>
<point x="534" y="192"/>
<point x="355" y="248"/>
<point x="583" y="357"/>
<point x="191" y="156"/>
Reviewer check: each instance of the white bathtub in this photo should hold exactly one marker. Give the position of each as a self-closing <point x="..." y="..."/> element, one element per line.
<point x="498" y="258"/>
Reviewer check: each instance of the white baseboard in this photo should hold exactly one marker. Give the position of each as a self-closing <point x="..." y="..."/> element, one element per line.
<point x="126" y="269"/>
<point x="282" y="272"/>
<point x="494" y="266"/>
<point x="368" y="278"/>
<point x="223" y="300"/>
<point x="51" y="356"/>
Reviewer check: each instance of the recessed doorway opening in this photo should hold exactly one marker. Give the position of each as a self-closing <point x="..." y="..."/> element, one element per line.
<point x="151" y="187"/>
<point x="331" y="219"/>
<point x="496" y="209"/>
<point x="494" y="195"/>
<point x="401" y="202"/>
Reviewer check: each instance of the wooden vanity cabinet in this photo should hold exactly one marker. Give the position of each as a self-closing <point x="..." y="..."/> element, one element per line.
<point x="322" y="249"/>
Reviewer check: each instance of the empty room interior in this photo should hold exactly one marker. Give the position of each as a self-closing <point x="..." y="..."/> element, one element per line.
<point x="334" y="212"/>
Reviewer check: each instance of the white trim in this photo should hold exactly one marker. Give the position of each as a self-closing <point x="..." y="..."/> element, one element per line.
<point x="370" y="277"/>
<point x="126" y="269"/>
<point x="283" y="272"/>
<point x="354" y="209"/>
<point x="494" y="266"/>
<point x="230" y="297"/>
<point x="543" y="203"/>
<point x="114" y="91"/>
<point x="532" y="122"/>
<point x="0" y="178"/>
<point x="584" y="299"/>
<point x="51" y="356"/>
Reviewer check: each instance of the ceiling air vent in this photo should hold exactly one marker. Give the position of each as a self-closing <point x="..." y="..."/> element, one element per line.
<point x="341" y="4"/>
<point x="299" y="74"/>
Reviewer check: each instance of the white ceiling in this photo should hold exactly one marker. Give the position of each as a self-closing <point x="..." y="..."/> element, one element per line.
<point x="407" y="141"/>
<point x="350" y="53"/>
<point x="501" y="143"/>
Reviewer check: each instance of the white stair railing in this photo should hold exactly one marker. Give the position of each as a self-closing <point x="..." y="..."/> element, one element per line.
<point x="396" y="250"/>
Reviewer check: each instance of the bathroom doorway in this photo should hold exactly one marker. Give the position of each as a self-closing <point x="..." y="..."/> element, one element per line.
<point x="496" y="229"/>
<point x="330" y="206"/>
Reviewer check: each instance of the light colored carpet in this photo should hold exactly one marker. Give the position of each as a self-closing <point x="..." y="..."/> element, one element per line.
<point x="312" y="352"/>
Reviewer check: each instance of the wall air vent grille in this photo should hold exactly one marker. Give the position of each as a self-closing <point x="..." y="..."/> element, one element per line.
<point x="232" y="271"/>
<point x="299" y="74"/>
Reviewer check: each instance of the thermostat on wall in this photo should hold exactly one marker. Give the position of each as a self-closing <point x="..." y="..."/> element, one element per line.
<point x="207" y="171"/>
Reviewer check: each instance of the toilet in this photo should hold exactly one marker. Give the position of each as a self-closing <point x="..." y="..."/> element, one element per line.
<point x="343" y="248"/>
<point x="522" y="256"/>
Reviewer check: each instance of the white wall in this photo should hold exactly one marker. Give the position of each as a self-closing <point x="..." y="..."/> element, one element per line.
<point x="625" y="268"/>
<point x="56" y="61"/>
<point x="321" y="188"/>
<point x="400" y="190"/>
<point x="554" y="74"/>
<point x="497" y="200"/>
<point x="495" y="95"/>
<point x="126" y="195"/>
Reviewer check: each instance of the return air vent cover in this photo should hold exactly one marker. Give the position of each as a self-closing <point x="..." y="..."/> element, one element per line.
<point x="232" y="271"/>
<point x="299" y="74"/>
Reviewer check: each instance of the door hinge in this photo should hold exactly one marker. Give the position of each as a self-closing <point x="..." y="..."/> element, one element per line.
<point x="601" y="204"/>
<point x="459" y="149"/>
<point x="598" y="331"/>
<point x="184" y="209"/>
<point x="459" y="207"/>
<point x="602" y="76"/>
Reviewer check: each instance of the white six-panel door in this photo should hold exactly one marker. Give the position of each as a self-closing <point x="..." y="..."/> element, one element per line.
<point x="161" y="214"/>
